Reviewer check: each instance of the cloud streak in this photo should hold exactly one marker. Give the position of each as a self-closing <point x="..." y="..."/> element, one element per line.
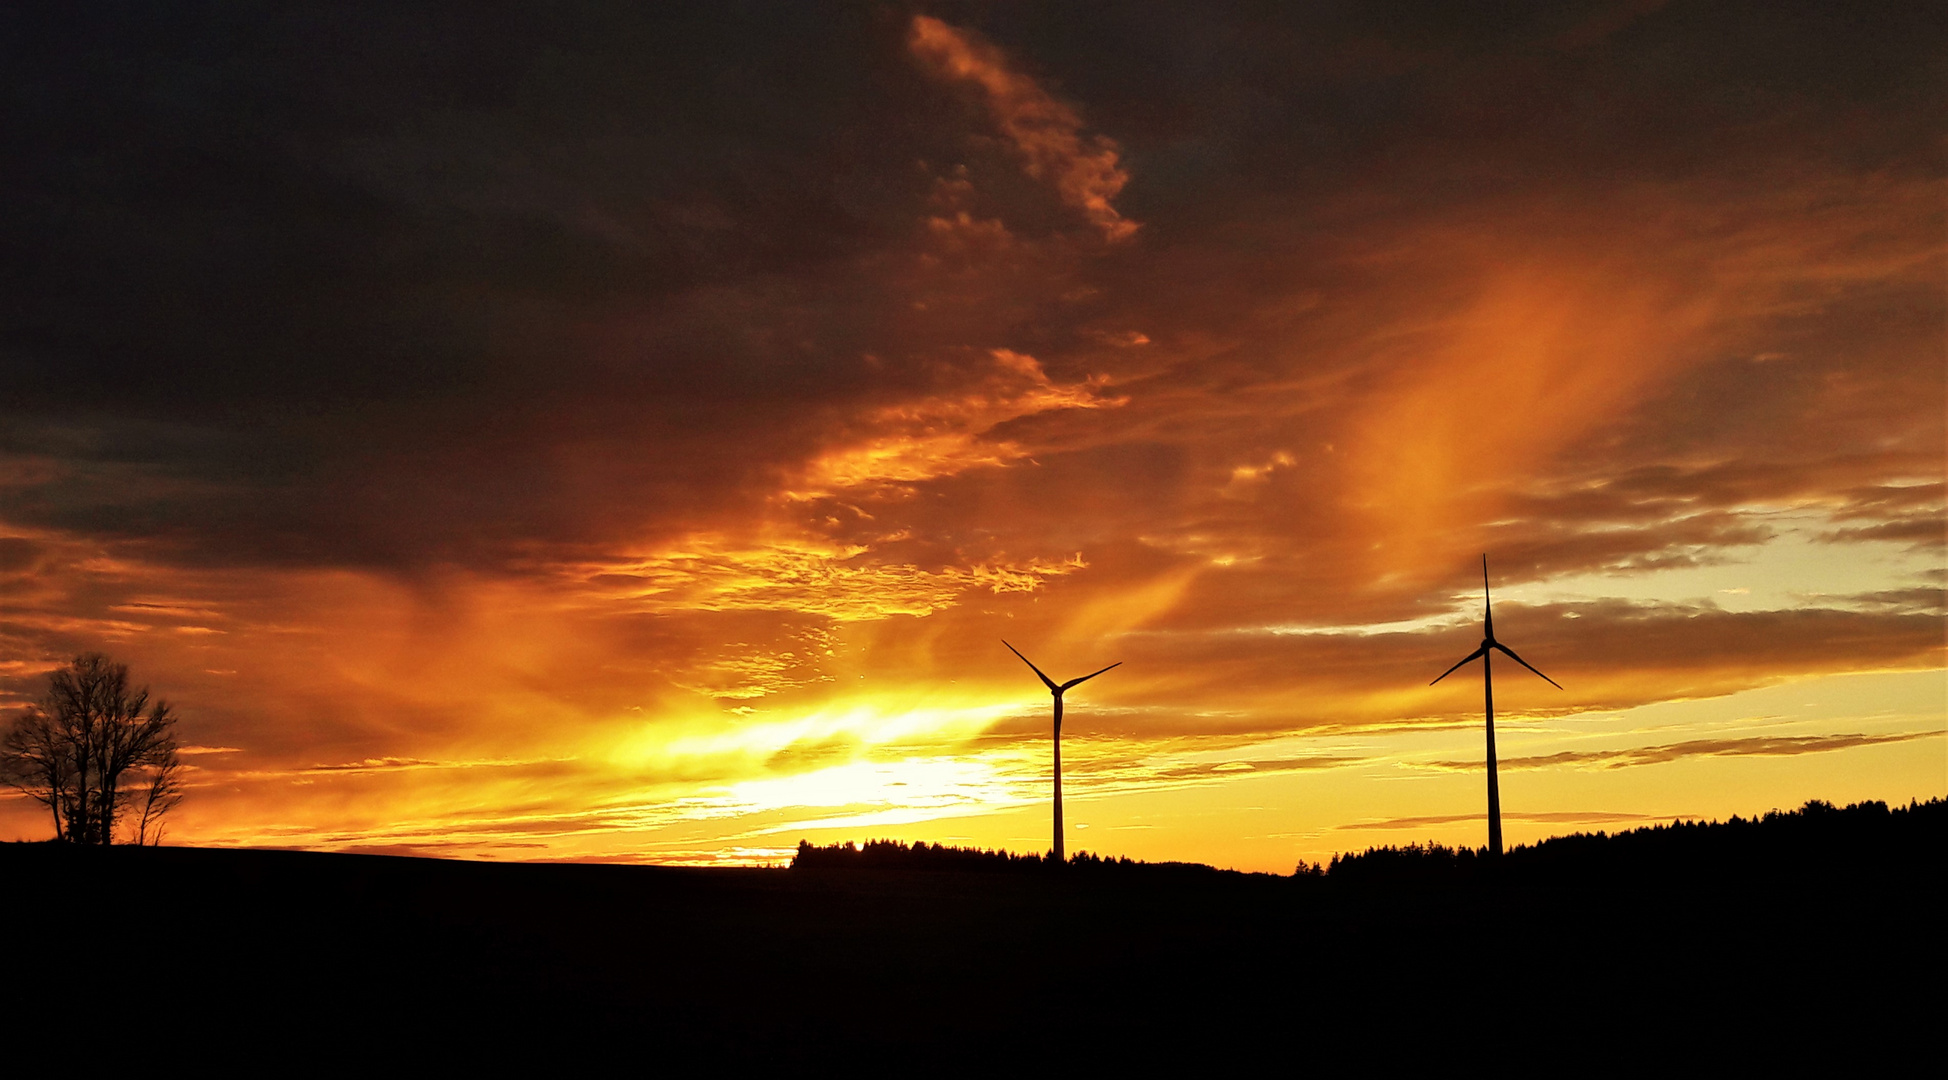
<point x="1753" y="746"/>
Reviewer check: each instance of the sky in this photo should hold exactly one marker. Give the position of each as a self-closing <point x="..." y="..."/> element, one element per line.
<point x="629" y="432"/>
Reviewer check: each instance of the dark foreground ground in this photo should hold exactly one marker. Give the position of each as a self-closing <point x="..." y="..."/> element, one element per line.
<point x="1711" y="954"/>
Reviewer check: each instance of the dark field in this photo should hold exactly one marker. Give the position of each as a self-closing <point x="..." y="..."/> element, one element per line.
<point x="1820" y="933"/>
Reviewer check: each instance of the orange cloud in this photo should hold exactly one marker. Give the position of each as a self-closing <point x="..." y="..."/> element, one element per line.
<point x="1046" y="133"/>
<point x="1483" y="397"/>
<point x="941" y="436"/>
<point x="804" y="574"/>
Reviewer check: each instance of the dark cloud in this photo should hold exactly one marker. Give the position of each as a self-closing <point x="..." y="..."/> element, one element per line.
<point x="383" y="284"/>
<point x="1921" y="531"/>
<point x="1923" y="601"/>
<point x="1608" y="655"/>
<point x="345" y="280"/>
<point x="18" y="555"/>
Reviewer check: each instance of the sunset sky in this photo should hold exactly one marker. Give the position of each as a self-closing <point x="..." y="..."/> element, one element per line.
<point x="627" y="432"/>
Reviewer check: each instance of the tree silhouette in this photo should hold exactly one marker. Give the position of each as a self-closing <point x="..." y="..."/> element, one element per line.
<point x="165" y="790"/>
<point x="84" y="750"/>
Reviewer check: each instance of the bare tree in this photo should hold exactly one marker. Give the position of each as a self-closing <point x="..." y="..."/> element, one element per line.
<point x="35" y="759"/>
<point x="164" y="792"/>
<point x="76" y="751"/>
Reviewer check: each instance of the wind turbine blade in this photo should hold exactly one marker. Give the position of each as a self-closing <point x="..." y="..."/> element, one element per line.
<point x="1487" y="602"/>
<point x="1089" y="676"/>
<point x="1464" y="660"/>
<point x="1046" y="681"/>
<point x="1526" y="664"/>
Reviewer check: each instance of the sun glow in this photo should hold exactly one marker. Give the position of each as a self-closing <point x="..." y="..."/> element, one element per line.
<point x="932" y="786"/>
<point x="752" y="741"/>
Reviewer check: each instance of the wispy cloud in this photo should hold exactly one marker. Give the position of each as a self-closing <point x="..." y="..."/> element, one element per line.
<point x="1553" y="817"/>
<point x="1046" y="132"/>
<point x="1751" y="746"/>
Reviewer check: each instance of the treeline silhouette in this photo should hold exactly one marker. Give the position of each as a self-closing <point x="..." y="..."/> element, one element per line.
<point x="897" y="855"/>
<point x="1817" y="837"/>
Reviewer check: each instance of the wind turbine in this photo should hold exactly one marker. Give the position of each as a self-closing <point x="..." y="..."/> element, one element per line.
<point x="1489" y="643"/>
<point x="1056" y="691"/>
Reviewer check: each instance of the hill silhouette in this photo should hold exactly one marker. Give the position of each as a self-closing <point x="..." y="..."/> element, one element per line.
<point x="1813" y="930"/>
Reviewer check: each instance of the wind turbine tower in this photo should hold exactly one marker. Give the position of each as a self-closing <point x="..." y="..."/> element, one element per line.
<point x="1488" y="645"/>
<point x="1056" y="691"/>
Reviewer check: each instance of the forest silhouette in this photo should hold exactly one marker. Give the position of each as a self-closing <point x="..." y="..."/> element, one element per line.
<point x="1818" y="831"/>
<point x="897" y="855"/>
